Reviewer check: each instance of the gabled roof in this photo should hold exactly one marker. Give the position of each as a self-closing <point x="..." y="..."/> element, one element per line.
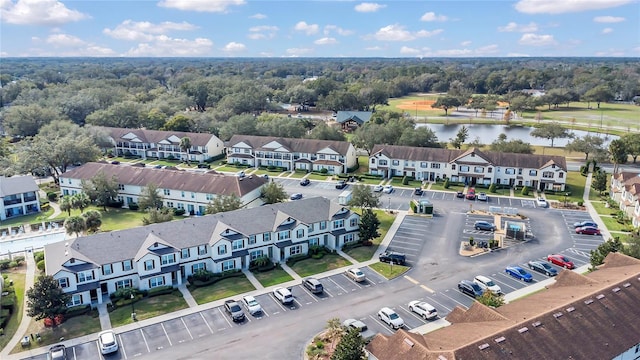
<point x="595" y="317"/>
<point x="472" y="151"/>
<point x="360" y="117"/>
<point x="310" y="146"/>
<point x="17" y="185"/>
<point x="116" y="246"/>
<point x="205" y="183"/>
<point x="156" y="136"/>
<point x="628" y="177"/>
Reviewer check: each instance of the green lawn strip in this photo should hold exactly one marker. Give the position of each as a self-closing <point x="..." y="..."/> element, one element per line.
<point x="298" y="174"/>
<point x="314" y="176"/>
<point x="222" y="289"/>
<point x="575" y="185"/>
<point x="268" y="172"/>
<point x="389" y="271"/>
<point x="602" y="209"/>
<point x="312" y="266"/>
<point x="148" y="307"/>
<point x="112" y="219"/>
<point x="612" y="224"/>
<point x="272" y="277"/>
<point x="72" y="328"/>
<point x="363" y="165"/>
<point x="10" y="329"/>
<point x="27" y="219"/>
<point x="397" y="181"/>
<point x="440" y="186"/>
<point x="364" y="253"/>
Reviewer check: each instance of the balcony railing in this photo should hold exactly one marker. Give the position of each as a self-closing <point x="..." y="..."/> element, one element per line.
<point x="12" y="202"/>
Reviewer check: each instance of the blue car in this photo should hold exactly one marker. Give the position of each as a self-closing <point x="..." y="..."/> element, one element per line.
<point x="518" y="273"/>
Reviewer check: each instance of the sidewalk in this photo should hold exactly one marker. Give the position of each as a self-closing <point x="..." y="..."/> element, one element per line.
<point x="105" y="320"/>
<point x="186" y="294"/>
<point x="26" y="319"/>
<point x="592" y="211"/>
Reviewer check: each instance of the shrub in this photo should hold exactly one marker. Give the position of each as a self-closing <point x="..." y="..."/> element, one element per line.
<point x="413" y="206"/>
<point x="19" y="259"/>
<point x="178" y="212"/>
<point x="580" y="203"/>
<point x="52" y="196"/>
<point x="134" y="206"/>
<point x="171" y="157"/>
<point x="160" y="290"/>
<point x="117" y="204"/>
<point x="202" y="275"/>
<point x="492" y="188"/>
<point x="4" y="264"/>
<point x="446" y="183"/>
<point x="77" y="311"/>
<point x="38" y="256"/>
<point x="13" y="264"/>
<point x="295" y="258"/>
<point x="471" y="241"/>
<point x="525" y="190"/>
<point x="405" y="181"/>
<point x="40" y="265"/>
<point x="324" y="171"/>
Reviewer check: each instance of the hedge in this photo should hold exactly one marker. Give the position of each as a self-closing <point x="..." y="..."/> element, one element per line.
<point x="161" y="290"/>
<point x="8" y="302"/>
<point x="214" y="158"/>
<point x="295" y="258"/>
<point x="38" y="256"/>
<point x="217" y="277"/>
<point x="40" y="265"/>
<point x="77" y="311"/>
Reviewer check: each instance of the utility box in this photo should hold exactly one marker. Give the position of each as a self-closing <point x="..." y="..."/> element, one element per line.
<point x="344" y="197"/>
<point x="422" y="206"/>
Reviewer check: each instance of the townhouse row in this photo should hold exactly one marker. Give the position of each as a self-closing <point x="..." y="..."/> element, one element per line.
<point x="625" y="189"/>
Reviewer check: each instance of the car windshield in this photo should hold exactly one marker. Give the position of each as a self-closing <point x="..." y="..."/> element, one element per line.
<point x="252" y="302"/>
<point x="235" y="308"/>
<point x="564" y="259"/>
<point x="393" y="316"/>
<point x="521" y="271"/>
<point x="476" y="287"/>
<point x="546" y="266"/>
<point x="490" y="283"/>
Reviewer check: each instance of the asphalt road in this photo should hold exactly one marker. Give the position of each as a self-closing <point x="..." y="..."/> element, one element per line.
<point x="432" y="248"/>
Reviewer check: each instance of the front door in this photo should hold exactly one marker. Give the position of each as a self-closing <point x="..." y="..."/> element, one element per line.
<point x="93" y="293"/>
<point x="104" y="288"/>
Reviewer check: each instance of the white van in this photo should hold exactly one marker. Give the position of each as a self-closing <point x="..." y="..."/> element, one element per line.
<point x="487" y="284"/>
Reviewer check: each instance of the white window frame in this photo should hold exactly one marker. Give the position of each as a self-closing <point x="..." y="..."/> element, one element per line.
<point x="156" y="282"/>
<point x="228" y="265"/>
<point x="237" y="244"/>
<point x="202" y="250"/>
<point x="338" y="224"/>
<point x="198" y="266"/>
<point x="75" y="300"/>
<point x="256" y="254"/>
<point x="168" y="259"/>
<point x="149" y="265"/>
<point x="63" y="282"/>
<point x="222" y="249"/>
<point x="185" y="253"/>
<point x="127" y="265"/>
<point x="300" y="233"/>
<point x="107" y="269"/>
<point x="123" y="284"/>
<point x="284" y="235"/>
<point x="85" y="276"/>
<point x="295" y="250"/>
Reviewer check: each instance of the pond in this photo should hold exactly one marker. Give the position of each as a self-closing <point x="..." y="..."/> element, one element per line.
<point x="488" y="133"/>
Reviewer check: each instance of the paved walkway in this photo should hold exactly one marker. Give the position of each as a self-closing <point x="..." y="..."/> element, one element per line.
<point x="592" y="211"/>
<point x="187" y="295"/>
<point x="105" y="320"/>
<point x="252" y="279"/>
<point x="290" y="271"/>
<point x="26" y="319"/>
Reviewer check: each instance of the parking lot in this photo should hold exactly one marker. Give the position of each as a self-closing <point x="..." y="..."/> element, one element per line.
<point x="410" y="237"/>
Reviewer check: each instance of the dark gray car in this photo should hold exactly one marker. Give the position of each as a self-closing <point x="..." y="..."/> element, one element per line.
<point x="233" y="308"/>
<point x="543" y="267"/>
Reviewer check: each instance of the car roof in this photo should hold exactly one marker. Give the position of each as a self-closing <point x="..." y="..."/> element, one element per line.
<point x="482" y="278"/>
<point x="248" y="297"/>
<point x="107" y="334"/>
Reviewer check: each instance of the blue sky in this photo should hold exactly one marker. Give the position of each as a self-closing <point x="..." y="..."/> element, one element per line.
<point x="298" y="28"/>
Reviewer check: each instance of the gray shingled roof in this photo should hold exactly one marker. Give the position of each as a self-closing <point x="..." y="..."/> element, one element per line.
<point x="17" y="185"/>
<point x="115" y="246"/>
<point x="206" y="183"/>
<point x="294" y="145"/>
<point x="359" y="117"/>
<point x="446" y="155"/>
<point x="155" y="136"/>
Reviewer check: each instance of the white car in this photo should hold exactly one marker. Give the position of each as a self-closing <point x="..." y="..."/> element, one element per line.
<point x="355" y="274"/>
<point x="283" y="295"/>
<point x="388" y="189"/>
<point x="487" y="284"/>
<point x="423" y="309"/>
<point x="252" y="305"/>
<point x="355" y="324"/>
<point x="390" y="317"/>
<point x="240" y="174"/>
<point x="542" y="202"/>
<point x="482" y="197"/>
<point x="107" y="342"/>
<point x="377" y="188"/>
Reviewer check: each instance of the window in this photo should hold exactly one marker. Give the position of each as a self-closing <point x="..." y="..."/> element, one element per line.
<point x="209" y="196"/>
<point x="193" y="195"/>
<point x="519" y="171"/>
<point x="284" y="235"/>
<point x="198" y="266"/>
<point x="453" y="166"/>
<point x="382" y="162"/>
<point x="295" y="250"/>
<point x="395" y="162"/>
<point x="63" y="282"/>
<point x="168" y="259"/>
<point x="107" y="269"/>
<point x="560" y="175"/>
<point x="222" y="249"/>
<point x="311" y="228"/>
<point x="182" y="193"/>
<point x="123" y="284"/>
<point x="313" y="242"/>
<point x="490" y="170"/>
<point x="185" y="253"/>
<point x="85" y="276"/>
<point x="547" y="174"/>
<point x="533" y="172"/>
<point x="255" y="254"/>
<point x="76" y="300"/>
<point x="228" y="265"/>
<point x="156" y="281"/>
<point x="510" y="171"/>
<point x="149" y="265"/>
<point x="167" y="192"/>
<point x="349" y="238"/>
<point x="170" y="204"/>
<point x="202" y="249"/>
<point x="353" y="222"/>
<point x="180" y="206"/>
<point x="252" y="239"/>
<point x="373" y="161"/>
<point x="463" y="168"/>
<point x="478" y="169"/>
<point x="120" y="186"/>
<point x="237" y="244"/>
<point x="435" y="166"/>
<point x="323" y="225"/>
<point x="300" y="233"/>
<point x="338" y="224"/>
<point x="423" y="164"/>
<point x="266" y="237"/>
<point x="127" y="265"/>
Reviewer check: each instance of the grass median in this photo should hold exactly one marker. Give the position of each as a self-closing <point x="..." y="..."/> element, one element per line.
<point x="272" y="277"/>
<point x="72" y="328"/>
<point x="148" y="307"/>
<point x="18" y="278"/>
<point x="222" y="289"/>
<point x="313" y="266"/>
<point x="364" y="253"/>
<point x="389" y="271"/>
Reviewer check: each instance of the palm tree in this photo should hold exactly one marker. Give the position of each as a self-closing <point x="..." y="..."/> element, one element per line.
<point x="93" y="220"/>
<point x="80" y="201"/>
<point x="185" y="145"/>
<point x="75" y="225"/>
<point x="66" y="204"/>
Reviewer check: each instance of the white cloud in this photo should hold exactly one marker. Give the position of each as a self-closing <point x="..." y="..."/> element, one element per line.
<point x="466" y="43"/>
<point x="405" y="50"/>
<point x="326" y="41"/>
<point x="4" y="53"/>
<point x="374" y="48"/>
<point x="308" y="29"/>
<point x="298" y="51"/>
<point x="487" y="50"/>
<point x="454" y="52"/>
<point x="234" y="47"/>
<point x="517" y="55"/>
<point x="166" y="46"/>
<point x="369" y="7"/>
<point x="334" y="28"/>
<point x="258" y="16"/>
<point x="217" y="6"/>
<point x="262" y="32"/>
<point x="64" y="40"/>
<point x="608" y="19"/>
<point x="144" y="30"/>
<point x="431" y="16"/>
<point x="399" y="33"/>
<point x="514" y="27"/>
<point x="607" y="30"/>
<point x="38" y="12"/>
<point x="565" y="6"/>
<point x="65" y="45"/>
<point x="536" y="40"/>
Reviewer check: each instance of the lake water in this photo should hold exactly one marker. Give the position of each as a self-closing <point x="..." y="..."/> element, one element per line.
<point x="489" y="133"/>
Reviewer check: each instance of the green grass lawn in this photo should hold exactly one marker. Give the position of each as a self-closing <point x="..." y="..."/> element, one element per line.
<point x="273" y="277"/>
<point x="298" y="174"/>
<point x="452" y="187"/>
<point x="397" y="182"/>
<point x="395" y="102"/>
<point x="314" y="176"/>
<point x="232" y="168"/>
<point x="578" y="113"/>
<point x="18" y="277"/>
<point x="113" y="219"/>
<point x="389" y="271"/>
<point x="363" y="165"/>
<point x="27" y="219"/>
<point x="310" y="267"/>
<point x="602" y="209"/>
<point x="148" y="307"/>
<point x="364" y="253"/>
<point x="575" y="185"/>
<point x="72" y="328"/>
<point x="222" y="289"/>
<point x="612" y="224"/>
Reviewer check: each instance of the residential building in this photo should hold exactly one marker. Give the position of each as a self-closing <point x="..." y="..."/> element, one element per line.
<point x="351" y="120"/>
<point x="471" y="167"/>
<point x="625" y="189"/>
<point x="91" y="267"/>
<point x="292" y="154"/>
<point x="158" y="144"/>
<point x="19" y="196"/>
<point x="188" y="190"/>
<point x="591" y="316"/>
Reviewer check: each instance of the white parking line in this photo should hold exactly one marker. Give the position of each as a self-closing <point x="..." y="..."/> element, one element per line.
<point x="429" y="300"/>
<point x="145" y="340"/>
<point x="206" y="323"/>
<point x="278" y="302"/>
<point x="463" y="305"/>
<point x="124" y="352"/>
<point x="74" y="351"/>
<point x="225" y="318"/>
<point x="165" y="332"/>
<point x="493" y="277"/>
<point x="310" y="294"/>
<point x="351" y="282"/>
<point x="333" y="281"/>
<point x="412" y="313"/>
<point x="384" y="325"/>
<point x="186" y="327"/>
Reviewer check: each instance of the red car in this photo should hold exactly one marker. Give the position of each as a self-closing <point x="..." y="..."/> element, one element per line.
<point x="471" y="194"/>
<point x="588" y="230"/>
<point x="560" y="260"/>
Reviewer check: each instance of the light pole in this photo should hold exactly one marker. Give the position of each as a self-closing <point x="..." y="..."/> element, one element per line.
<point x="389" y="203"/>
<point x="601" y="116"/>
<point x="133" y="309"/>
<point x="565" y="199"/>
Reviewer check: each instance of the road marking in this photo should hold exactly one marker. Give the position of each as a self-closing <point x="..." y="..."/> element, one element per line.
<point x="328" y="293"/>
<point x="415" y="282"/>
<point x="384" y="325"/>
<point x="206" y="323"/>
<point x="412" y="313"/>
<point x="437" y="302"/>
<point x="463" y="305"/>
<point x="278" y="302"/>
<point x="145" y="340"/>
<point x="426" y="288"/>
<point x="165" y="332"/>
<point x="338" y="285"/>
<point x="74" y="351"/>
<point x="186" y="327"/>
<point x="225" y="318"/>
<point x="124" y="352"/>
<point x="310" y="294"/>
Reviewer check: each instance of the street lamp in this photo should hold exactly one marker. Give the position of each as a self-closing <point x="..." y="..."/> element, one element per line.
<point x="133" y="309"/>
<point x="565" y="199"/>
<point x="389" y="204"/>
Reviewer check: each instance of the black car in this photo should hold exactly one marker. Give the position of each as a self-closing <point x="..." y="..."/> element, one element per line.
<point x="418" y="191"/>
<point x="341" y="184"/>
<point x="305" y="182"/>
<point x="115" y="162"/>
<point x="460" y="195"/>
<point x="397" y="258"/>
<point x="233" y="308"/>
<point x="470" y="288"/>
<point x="543" y="267"/>
<point x="204" y="166"/>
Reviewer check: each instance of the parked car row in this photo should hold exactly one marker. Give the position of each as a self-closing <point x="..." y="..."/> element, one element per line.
<point x="107" y="344"/>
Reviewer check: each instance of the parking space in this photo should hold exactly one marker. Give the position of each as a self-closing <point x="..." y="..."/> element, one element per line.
<point x="372" y="276"/>
<point x="134" y="343"/>
<point x="334" y="287"/>
<point x="86" y="351"/>
<point x="303" y="296"/>
<point x="410" y="237"/>
<point x="197" y="325"/>
<point x="177" y="331"/>
<point x="216" y="320"/>
<point x="270" y="306"/>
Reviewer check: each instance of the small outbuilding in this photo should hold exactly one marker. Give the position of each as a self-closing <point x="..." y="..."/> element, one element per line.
<point x="422" y="206"/>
